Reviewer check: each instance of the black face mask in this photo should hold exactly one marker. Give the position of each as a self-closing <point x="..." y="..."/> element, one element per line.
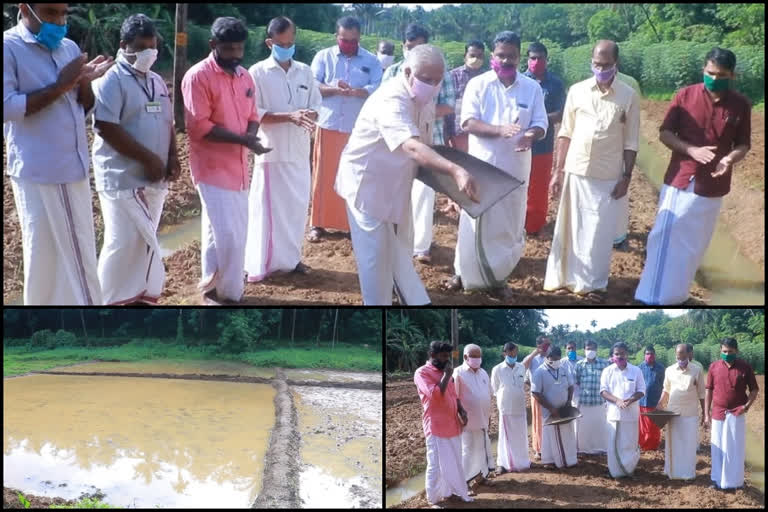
<point x="226" y="63"/>
<point x="439" y="364"/>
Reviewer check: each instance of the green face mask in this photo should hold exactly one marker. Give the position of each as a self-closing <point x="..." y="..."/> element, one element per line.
<point x="716" y="84"/>
<point x="728" y="358"/>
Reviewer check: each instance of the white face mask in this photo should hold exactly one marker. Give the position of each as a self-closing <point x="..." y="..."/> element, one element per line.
<point x="385" y="60"/>
<point x="144" y="59"/>
<point x="554" y="364"/>
<point x="591" y="354"/>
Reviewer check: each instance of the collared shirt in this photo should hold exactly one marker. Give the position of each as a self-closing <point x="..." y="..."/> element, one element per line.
<point x="122" y="98"/>
<point x="622" y="384"/>
<point x="553" y="386"/>
<point x="554" y="101"/>
<point x="509" y="387"/>
<point x="440" y="416"/>
<point x="488" y="100"/>
<point x="375" y="173"/>
<point x="474" y="390"/>
<point x="588" y="378"/>
<point x="281" y="91"/>
<point x="361" y="71"/>
<point x="51" y="145"/>
<point x="601" y="127"/>
<point x="630" y="82"/>
<point x="654" y="383"/>
<point x="696" y="119"/>
<point x="695" y="362"/>
<point x="533" y="366"/>
<point x="460" y="77"/>
<point x="214" y="97"/>
<point x="570" y="365"/>
<point x="446" y="96"/>
<point x="729" y="385"/>
<point x="685" y="388"/>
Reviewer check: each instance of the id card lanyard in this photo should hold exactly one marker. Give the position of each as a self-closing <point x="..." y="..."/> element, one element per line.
<point x="152" y="106"/>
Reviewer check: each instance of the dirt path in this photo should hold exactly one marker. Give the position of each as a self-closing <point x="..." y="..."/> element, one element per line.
<point x="584" y="486"/>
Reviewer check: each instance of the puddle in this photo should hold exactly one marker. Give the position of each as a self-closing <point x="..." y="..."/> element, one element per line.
<point x="331" y="375"/>
<point x="755" y="462"/>
<point x="142" y="442"/>
<point x="174" y="366"/>
<point x="172" y="238"/>
<point x="732" y="278"/>
<point x="341" y="447"/>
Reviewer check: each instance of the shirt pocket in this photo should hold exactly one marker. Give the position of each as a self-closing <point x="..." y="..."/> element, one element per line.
<point x="359" y="76"/>
<point x="611" y="117"/>
<point x="628" y="387"/>
<point x="301" y="96"/>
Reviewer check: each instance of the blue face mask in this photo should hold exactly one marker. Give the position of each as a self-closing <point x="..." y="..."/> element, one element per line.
<point x="511" y="360"/>
<point x="50" y="34"/>
<point x="571" y="355"/>
<point x="282" y="54"/>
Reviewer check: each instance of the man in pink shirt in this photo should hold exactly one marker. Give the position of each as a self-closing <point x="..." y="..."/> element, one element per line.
<point x="220" y="113"/>
<point x="442" y="420"/>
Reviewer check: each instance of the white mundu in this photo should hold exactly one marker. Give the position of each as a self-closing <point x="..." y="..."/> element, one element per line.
<point x="508" y="385"/>
<point x="623" y="424"/>
<point x="279" y="195"/>
<point x="591" y="433"/>
<point x="445" y="474"/>
<point x="489" y="247"/>
<point x="728" y="451"/>
<point x="473" y="389"/>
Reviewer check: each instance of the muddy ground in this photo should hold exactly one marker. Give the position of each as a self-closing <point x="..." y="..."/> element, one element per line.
<point x="583" y="486"/>
<point x="334" y="280"/>
<point x="11" y="499"/>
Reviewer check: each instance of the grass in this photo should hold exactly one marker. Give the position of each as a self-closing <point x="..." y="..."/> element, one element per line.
<point x="760" y="107"/>
<point x="19" y="360"/>
<point x="659" y="96"/>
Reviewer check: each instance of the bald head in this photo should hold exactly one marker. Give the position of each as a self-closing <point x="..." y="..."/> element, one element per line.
<point x="605" y="50"/>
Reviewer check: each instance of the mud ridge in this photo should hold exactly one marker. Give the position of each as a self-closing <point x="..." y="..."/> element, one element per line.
<point x="280" y="485"/>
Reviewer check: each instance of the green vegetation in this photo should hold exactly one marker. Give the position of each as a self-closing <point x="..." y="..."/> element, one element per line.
<point x="409" y="333"/>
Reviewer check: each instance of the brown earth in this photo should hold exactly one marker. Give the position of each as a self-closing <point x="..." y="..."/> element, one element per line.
<point x="584" y="486"/>
<point x="11" y="499"/>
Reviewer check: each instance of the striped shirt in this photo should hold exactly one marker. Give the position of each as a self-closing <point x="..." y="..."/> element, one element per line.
<point x="588" y="380"/>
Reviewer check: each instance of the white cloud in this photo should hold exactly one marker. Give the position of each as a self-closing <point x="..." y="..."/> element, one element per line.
<point x="606" y="318"/>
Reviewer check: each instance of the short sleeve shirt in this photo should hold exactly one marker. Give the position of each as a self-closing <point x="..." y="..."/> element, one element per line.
<point x="729" y="385"/>
<point x="509" y="386"/>
<point x="142" y="107"/>
<point x="460" y="77"/>
<point x="622" y="384"/>
<point x="474" y="391"/>
<point x="685" y="388"/>
<point x="588" y="378"/>
<point x="553" y="385"/>
<point x="554" y="101"/>
<point x="440" y="416"/>
<point x="654" y="383"/>
<point x="696" y="119"/>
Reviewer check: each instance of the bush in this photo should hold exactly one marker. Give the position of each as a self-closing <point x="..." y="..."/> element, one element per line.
<point x="65" y="338"/>
<point x="754" y="354"/>
<point x="42" y="340"/>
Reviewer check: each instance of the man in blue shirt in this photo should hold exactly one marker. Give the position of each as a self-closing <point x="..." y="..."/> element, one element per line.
<point x="653" y="373"/>
<point x="542" y="150"/>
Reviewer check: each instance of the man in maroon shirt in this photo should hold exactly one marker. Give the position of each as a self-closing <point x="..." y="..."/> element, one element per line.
<point x="708" y="129"/>
<point x="727" y="383"/>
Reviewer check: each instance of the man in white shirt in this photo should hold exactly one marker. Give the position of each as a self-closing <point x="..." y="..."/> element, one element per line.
<point x="473" y="387"/>
<point x="288" y="102"/>
<point x="569" y="363"/>
<point x="503" y="112"/>
<point x="622" y="385"/>
<point x="508" y="383"/>
<point x="376" y="172"/>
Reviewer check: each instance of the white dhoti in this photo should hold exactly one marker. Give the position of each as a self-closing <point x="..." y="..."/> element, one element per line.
<point x="130" y="265"/>
<point x="676" y="244"/>
<point x="580" y="258"/>
<point x="224" y="228"/>
<point x="445" y="474"/>
<point x="488" y="248"/>
<point x="622" y="221"/>
<point x="682" y="439"/>
<point x="558" y="445"/>
<point x="623" y="447"/>
<point x="591" y="429"/>
<point x="277" y="215"/>
<point x="728" y="451"/>
<point x="384" y="260"/>
<point x="476" y="453"/>
<point x="423" y="208"/>
<point x="58" y="243"/>
<point x="513" y="443"/>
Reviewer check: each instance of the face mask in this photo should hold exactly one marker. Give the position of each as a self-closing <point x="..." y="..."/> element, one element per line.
<point x="385" y="60"/>
<point x="347" y="47"/>
<point x="439" y="364"/>
<point x="50" y="34"/>
<point x="474" y="362"/>
<point x="728" y="358"/>
<point x="423" y="93"/>
<point x="144" y="59"/>
<point x="554" y="364"/>
<point x="571" y="355"/>
<point x="650" y="359"/>
<point x="591" y="354"/>
<point x="406" y="51"/>
<point x="620" y="362"/>
<point x="506" y="73"/>
<point x="682" y="363"/>
<point x="604" y="76"/>
<point x="474" y="62"/>
<point x="716" y="84"/>
<point x="537" y="67"/>
<point x="226" y="63"/>
<point x="281" y="54"/>
<point x="544" y="347"/>
<point x="510" y="359"/>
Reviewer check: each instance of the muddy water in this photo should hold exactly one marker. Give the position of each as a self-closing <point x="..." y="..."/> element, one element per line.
<point x="732" y="278"/>
<point x="755" y="462"/>
<point x="175" y="366"/>
<point x="142" y="442"/>
<point x="332" y="375"/>
<point x="341" y="447"/>
<point x="172" y="238"/>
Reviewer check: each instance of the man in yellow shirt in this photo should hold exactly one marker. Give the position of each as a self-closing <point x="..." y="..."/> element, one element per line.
<point x="596" y="149"/>
<point x="683" y="387"/>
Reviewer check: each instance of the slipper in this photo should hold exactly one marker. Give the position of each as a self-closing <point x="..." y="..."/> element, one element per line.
<point x="301" y="269"/>
<point x="315" y="235"/>
<point x="598" y="297"/>
<point x="454" y="285"/>
<point x="424" y="257"/>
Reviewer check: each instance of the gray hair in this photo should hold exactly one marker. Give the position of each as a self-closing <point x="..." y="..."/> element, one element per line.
<point x="424" y="55"/>
<point x="471" y="346"/>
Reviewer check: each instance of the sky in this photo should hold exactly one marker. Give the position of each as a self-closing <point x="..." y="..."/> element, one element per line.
<point x="427" y="7"/>
<point x="606" y="318"/>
